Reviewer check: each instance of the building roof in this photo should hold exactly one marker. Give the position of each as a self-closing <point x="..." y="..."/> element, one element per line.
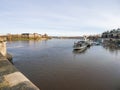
<point x="25" y="33"/>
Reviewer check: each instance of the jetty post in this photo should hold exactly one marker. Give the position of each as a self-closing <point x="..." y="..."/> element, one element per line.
<point x="3" y="41"/>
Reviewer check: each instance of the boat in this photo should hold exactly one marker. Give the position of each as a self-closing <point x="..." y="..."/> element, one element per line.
<point x="80" y="45"/>
<point x="96" y="43"/>
<point x="79" y="51"/>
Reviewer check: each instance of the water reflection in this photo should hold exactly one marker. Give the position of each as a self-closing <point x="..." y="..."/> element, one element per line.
<point x="111" y="49"/>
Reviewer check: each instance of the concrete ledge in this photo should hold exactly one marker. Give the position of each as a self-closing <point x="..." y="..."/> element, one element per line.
<point x="9" y="57"/>
<point x="12" y="79"/>
<point x="15" y="78"/>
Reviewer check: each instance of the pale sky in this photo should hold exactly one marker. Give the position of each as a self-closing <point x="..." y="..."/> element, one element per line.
<point x="59" y="17"/>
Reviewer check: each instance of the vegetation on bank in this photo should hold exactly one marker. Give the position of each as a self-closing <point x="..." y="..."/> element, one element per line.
<point x="24" y="39"/>
<point x="26" y="36"/>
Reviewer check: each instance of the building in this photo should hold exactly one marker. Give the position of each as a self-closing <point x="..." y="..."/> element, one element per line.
<point x="27" y="35"/>
<point x="32" y="36"/>
<point x="36" y="35"/>
<point x="115" y="33"/>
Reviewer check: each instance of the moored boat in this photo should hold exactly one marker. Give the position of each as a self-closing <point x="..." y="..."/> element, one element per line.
<point x="80" y="45"/>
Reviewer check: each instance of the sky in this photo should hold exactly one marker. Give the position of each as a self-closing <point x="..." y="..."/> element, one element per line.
<point x="59" y="17"/>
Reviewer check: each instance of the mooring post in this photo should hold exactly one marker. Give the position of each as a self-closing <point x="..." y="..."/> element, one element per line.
<point x="3" y="46"/>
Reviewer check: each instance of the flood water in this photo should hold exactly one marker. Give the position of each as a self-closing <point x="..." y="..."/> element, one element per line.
<point x="52" y="65"/>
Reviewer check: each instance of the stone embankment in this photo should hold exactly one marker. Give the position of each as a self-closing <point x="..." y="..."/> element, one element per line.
<point x="10" y="77"/>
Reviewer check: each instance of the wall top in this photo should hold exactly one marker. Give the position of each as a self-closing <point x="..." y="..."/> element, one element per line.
<point x="2" y="39"/>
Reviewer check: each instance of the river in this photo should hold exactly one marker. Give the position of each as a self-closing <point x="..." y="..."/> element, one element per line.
<point x="53" y="65"/>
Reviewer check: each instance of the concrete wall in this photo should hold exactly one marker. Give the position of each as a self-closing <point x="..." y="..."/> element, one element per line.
<point x="3" y="46"/>
<point x="13" y="79"/>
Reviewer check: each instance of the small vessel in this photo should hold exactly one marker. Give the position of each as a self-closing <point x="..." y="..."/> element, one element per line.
<point x="96" y="43"/>
<point x="80" y="45"/>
